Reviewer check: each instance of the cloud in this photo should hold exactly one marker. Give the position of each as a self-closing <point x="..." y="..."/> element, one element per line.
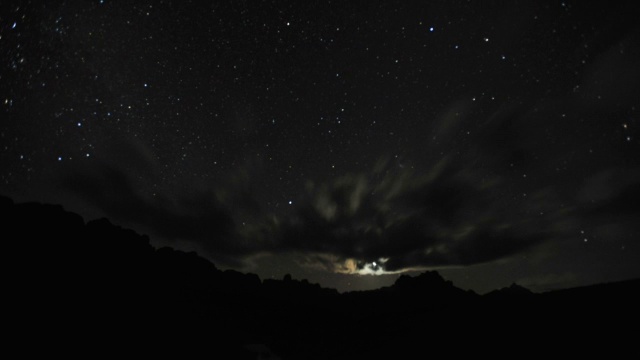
<point x="406" y="221"/>
<point x="612" y="78"/>
<point x="612" y="193"/>
<point x="462" y="210"/>
<point x="368" y="223"/>
<point x="120" y="186"/>
<point x="549" y="281"/>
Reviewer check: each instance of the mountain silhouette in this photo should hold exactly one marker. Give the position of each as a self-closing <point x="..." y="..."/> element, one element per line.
<point x="514" y="291"/>
<point x="72" y="287"/>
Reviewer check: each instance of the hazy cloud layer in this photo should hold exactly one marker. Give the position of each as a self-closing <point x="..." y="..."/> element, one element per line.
<point x="389" y="219"/>
<point x="407" y="221"/>
<point x="506" y="189"/>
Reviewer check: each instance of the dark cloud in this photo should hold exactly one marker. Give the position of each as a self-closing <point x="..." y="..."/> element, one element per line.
<point x="399" y="218"/>
<point x="460" y="211"/>
<point x="548" y="281"/>
<point x="407" y="221"/>
<point x="120" y="188"/>
<point x="613" y="194"/>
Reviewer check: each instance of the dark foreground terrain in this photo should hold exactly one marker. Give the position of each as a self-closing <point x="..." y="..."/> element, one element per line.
<point x="80" y="289"/>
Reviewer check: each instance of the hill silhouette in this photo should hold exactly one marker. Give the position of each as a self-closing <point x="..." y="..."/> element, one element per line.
<point x="72" y="287"/>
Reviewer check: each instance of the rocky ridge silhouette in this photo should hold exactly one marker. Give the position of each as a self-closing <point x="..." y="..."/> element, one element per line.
<point x="105" y="287"/>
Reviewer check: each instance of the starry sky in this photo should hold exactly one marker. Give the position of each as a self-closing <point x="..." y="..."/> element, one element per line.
<point x="346" y="142"/>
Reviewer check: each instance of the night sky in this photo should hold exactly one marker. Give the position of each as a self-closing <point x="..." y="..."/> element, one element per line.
<point x="342" y="142"/>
